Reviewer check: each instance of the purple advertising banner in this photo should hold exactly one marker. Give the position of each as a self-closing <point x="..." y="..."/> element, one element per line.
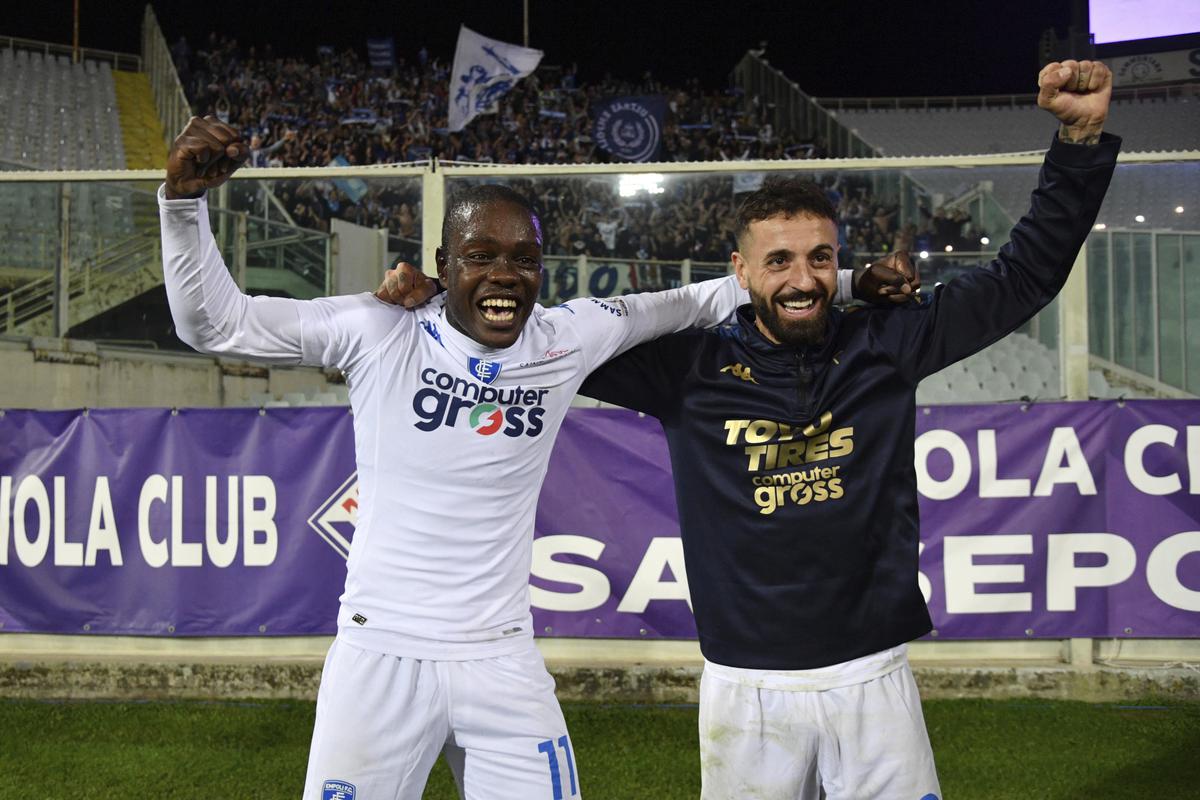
<point x="1052" y="520"/>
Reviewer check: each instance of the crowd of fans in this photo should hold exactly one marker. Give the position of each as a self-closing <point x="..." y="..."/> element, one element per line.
<point x="340" y="106"/>
<point x="338" y="109"/>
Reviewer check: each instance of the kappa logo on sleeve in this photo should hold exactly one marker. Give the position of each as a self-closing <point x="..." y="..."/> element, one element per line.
<point x="337" y="790"/>
<point x="432" y="330"/>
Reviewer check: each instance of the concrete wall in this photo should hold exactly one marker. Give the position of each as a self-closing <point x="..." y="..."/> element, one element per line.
<point x="49" y="373"/>
<point x="117" y="667"/>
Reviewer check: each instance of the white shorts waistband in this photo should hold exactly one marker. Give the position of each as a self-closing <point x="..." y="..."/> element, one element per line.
<point x="857" y="670"/>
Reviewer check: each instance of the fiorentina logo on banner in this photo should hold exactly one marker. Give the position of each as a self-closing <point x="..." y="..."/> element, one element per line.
<point x="630" y="128"/>
<point x="337" y="517"/>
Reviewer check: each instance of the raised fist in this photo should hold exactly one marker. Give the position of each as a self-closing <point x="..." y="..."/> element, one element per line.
<point x="1077" y="93"/>
<point x="405" y="285"/>
<point x="203" y="157"/>
<point x="891" y="280"/>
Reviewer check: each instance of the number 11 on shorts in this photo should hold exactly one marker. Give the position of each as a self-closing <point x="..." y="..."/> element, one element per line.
<point x="547" y="747"/>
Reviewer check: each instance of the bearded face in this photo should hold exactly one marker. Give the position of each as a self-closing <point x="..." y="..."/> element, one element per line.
<point x="789" y="266"/>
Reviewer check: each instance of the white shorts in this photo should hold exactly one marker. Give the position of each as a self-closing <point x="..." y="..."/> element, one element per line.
<point x="800" y="736"/>
<point x="382" y="720"/>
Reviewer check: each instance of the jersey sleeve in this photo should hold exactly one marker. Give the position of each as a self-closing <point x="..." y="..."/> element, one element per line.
<point x="212" y="314"/>
<point x="980" y="307"/>
<point x="611" y="326"/>
<point x="647" y="378"/>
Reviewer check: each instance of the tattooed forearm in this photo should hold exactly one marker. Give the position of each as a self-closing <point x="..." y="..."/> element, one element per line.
<point x="1075" y="136"/>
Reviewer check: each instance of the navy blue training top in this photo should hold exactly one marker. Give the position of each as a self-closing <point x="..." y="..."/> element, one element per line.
<point x="794" y="466"/>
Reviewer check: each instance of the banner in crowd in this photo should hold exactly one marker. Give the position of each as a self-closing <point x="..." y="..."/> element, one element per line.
<point x="630" y="128"/>
<point x="484" y="70"/>
<point x="1151" y="68"/>
<point x="382" y="52"/>
<point x="1051" y="520"/>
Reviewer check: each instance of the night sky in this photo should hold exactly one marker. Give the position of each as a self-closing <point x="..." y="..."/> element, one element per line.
<point x="865" y="48"/>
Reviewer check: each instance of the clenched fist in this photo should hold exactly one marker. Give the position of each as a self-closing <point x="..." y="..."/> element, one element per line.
<point x="1078" y="94"/>
<point x="203" y="157"/>
<point x="405" y="285"/>
<point x="891" y="280"/>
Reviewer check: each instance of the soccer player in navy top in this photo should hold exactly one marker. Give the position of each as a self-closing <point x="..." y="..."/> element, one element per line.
<point x="791" y="439"/>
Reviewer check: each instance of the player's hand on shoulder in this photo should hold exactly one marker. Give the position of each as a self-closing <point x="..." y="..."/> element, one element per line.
<point x="891" y="280"/>
<point x="1077" y="93"/>
<point x="405" y="285"/>
<point x="203" y="156"/>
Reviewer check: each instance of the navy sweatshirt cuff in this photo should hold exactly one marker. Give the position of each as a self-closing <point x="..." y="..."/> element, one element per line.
<point x="1082" y="156"/>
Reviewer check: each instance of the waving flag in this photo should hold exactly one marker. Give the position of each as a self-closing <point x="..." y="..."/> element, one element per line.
<point x="484" y="69"/>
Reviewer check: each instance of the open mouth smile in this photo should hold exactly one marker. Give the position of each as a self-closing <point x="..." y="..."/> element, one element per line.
<point x="799" y="308"/>
<point x="498" y="310"/>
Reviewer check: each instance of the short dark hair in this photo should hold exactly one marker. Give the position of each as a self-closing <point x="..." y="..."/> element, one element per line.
<point x="463" y="203"/>
<point x="782" y="196"/>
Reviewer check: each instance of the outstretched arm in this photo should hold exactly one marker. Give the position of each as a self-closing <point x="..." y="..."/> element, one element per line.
<point x="890" y="281"/>
<point x="978" y="308"/>
<point x="210" y="312"/>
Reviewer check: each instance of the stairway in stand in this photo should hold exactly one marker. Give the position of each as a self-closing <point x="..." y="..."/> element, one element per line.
<point x="141" y="132"/>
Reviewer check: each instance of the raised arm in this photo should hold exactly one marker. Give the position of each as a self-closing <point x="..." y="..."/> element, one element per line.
<point x="978" y="308"/>
<point x="210" y="312"/>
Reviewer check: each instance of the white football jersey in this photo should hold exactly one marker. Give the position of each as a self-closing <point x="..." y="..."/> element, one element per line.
<point x="452" y="439"/>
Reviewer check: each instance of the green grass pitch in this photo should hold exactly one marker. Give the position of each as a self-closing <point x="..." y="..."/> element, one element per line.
<point x="985" y="750"/>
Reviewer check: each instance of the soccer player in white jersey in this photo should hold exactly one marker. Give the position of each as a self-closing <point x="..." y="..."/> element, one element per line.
<point x="455" y="410"/>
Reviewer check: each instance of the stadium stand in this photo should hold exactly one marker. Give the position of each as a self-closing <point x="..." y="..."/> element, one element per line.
<point x="338" y="105"/>
<point x="59" y="115"/>
<point x="1149" y="124"/>
<point x="1152" y="191"/>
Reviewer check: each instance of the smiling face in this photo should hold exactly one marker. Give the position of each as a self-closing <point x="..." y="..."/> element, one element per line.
<point x="491" y="264"/>
<point x="788" y="263"/>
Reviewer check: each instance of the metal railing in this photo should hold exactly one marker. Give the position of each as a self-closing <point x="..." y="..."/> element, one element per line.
<point x="795" y="111"/>
<point x="42" y="296"/>
<point x="251" y="243"/>
<point x="1144" y="305"/>
<point x="994" y="100"/>
<point x="123" y="61"/>
<point x="173" y="108"/>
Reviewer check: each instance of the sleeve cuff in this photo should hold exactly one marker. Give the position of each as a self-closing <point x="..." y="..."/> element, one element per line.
<point x="182" y="202"/>
<point x="1085" y="155"/>
<point x="845" y="287"/>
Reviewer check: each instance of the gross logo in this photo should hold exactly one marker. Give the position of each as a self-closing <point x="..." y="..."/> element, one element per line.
<point x="432" y="330"/>
<point x="486" y="419"/>
<point x="485" y="371"/>
<point x="628" y="130"/>
<point x="448" y="400"/>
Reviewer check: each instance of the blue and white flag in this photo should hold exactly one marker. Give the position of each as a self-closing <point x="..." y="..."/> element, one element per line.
<point x="484" y="69"/>
<point x="747" y="181"/>
<point x="630" y="128"/>
<point x="382" y="52"/>
<point x="353" y="188"/>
